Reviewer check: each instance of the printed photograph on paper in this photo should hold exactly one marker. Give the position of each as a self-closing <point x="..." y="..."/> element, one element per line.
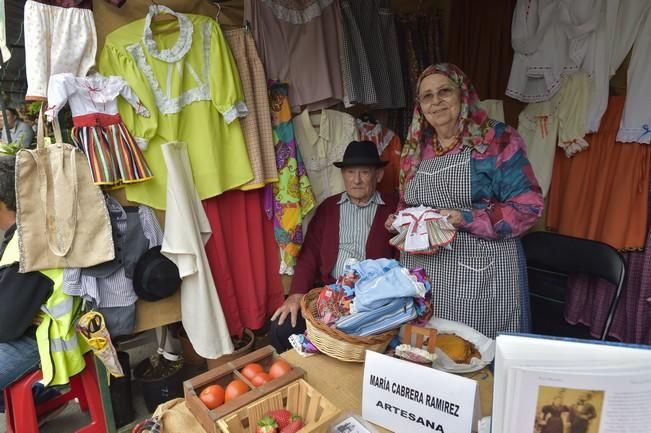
<point x="568" y="410"/>
<point x="349" y="425"/>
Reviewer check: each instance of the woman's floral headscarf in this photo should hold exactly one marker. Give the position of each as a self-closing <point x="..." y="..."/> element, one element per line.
<point x="473" y="122"/>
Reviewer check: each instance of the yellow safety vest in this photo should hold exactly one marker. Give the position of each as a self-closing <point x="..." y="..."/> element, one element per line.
<point x="60" y="350"/>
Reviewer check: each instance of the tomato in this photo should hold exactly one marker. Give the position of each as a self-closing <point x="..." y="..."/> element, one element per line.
<point x="279" y="368"/>
<point x="250" y="370"/>
<point x="261" y="378"/>
<point x="235" y="389"/>
<point x="212" y="396"/>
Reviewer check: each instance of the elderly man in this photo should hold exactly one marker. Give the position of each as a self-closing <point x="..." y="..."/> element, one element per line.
<point x="347" y="225"/>
<point x="21" y="132"/>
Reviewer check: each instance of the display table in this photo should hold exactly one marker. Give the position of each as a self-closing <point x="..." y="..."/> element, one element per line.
<point x="341" y="382"/>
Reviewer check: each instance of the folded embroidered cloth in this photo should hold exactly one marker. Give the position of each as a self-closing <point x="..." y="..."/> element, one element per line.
<point x="422" y="230"/>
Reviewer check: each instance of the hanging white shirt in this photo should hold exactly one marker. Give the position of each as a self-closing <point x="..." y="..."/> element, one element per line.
<point x="559" y="121"/>
<point x="494" y="108"/>
<point x="597" y="63"/>
<point x="322" y="139"/>
<point x="623" y="24"/>
<point x="636" y="119"/>
<point x="186" y="231"/>
<point x="550" y="38"/>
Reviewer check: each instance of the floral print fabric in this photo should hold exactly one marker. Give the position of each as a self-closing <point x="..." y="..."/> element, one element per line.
<point x="291" y="198"/>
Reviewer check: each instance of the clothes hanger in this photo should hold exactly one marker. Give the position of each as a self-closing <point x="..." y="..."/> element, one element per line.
<point x="218" y="3"/>
<point x="315" y="117"/>
<point x="163" y="18"/>
<point x="368" y="118"/>
<point x="219" y="9"/>
<point x="92" y="71"/>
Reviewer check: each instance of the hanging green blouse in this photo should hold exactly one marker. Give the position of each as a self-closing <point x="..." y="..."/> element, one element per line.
<point x="184" y="73"/>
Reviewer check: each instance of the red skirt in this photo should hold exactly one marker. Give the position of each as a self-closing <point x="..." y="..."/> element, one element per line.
<point x="244" y="259"/>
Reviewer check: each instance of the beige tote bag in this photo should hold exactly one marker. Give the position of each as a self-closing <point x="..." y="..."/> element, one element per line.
<point x="61" y="216"/>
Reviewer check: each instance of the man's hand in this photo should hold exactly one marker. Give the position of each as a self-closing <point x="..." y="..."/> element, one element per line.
<point x="388" y="224"/>
<point x="292" y="307"/>
<point x="454" y="216"/>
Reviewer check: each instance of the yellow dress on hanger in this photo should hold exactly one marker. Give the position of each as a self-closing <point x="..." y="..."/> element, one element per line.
<point x="184" y="73"/>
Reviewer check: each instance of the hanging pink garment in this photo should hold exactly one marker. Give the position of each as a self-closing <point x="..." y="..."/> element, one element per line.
<point x="589" y="298"/>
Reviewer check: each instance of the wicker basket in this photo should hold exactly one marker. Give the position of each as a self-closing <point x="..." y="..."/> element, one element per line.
<point x="298" y="397"/>
<point x="332" y="342"/>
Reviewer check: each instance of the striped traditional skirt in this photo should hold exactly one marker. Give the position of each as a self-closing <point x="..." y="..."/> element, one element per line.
<point x="113" y="154"/>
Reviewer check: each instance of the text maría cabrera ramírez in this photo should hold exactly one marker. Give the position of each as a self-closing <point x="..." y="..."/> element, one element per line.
<point x="415" y="395"/>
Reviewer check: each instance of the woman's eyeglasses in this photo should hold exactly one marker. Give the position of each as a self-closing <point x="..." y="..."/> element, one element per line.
<point x="444" y="93"/>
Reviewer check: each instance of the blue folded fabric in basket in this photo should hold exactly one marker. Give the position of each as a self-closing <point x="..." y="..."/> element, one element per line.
<point x="380" y="281"/>
<point x="371" y="268"/>
<point x="389" y="316"/>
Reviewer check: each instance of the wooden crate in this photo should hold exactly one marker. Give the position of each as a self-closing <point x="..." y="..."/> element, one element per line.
<point x="298" y="397"/>
<point x="222" y="375"/>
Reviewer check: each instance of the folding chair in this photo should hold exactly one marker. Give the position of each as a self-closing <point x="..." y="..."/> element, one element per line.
<point x="551" y="257"/>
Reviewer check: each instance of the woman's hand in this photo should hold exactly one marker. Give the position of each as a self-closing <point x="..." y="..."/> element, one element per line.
<point x="454" y="216"/>
<point x="388" y="224"/>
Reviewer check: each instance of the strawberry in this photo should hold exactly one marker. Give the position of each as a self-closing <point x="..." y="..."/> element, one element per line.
<point x="267" y="425"/>
<point x="293" y="426"/>
<point x="282" y="416"/>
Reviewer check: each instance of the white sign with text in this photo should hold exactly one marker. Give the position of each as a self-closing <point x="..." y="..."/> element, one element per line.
<point x="406" y="397"/>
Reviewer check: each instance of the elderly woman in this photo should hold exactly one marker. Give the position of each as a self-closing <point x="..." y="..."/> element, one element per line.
<point x="475" y="170"/>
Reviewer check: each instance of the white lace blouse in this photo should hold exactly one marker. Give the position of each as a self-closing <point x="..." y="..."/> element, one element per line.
<point x="93" y="94"/>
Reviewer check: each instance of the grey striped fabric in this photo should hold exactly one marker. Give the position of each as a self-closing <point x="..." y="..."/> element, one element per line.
<point x="376" y="25"/>
<point x="354" y="226"/>
<point x="116" y="290"/>
<point x="358" y="81"/>
<point x="393" y="65"/>
<point x="368" y="22"/>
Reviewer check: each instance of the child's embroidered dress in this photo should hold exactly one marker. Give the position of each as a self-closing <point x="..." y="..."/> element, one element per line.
<point x="113" y="154"/>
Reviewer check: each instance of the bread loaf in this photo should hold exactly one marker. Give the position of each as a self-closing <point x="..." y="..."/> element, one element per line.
<point x="456" y="348"/>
